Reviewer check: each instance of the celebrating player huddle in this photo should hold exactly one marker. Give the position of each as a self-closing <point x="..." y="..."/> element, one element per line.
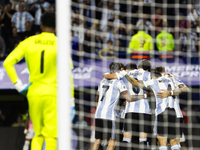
<point x="152" y="107"/>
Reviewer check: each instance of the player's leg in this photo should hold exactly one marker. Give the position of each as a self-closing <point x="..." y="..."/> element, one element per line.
<point x="175" y="130"/>
<point x="96" y="144"/>
<point x="111" y="144"/>
<point x="162" y="130"/>
<point x="49" y="130"/>
<point x="98" y="133"/>
<point x="111" y="125"/>
<point x="35" y="111"/>
<point x="130" y="127"/>
<point x="144" y="129"/>
<point x="162" y="142"/>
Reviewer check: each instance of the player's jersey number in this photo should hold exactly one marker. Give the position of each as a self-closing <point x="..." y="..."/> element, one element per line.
<point x="42" y="62"/>
<point x="106" y="89"/>
<point x="136" y="89"/>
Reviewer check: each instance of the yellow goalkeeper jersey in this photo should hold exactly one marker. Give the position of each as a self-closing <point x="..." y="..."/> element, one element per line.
<point x="40" y="55"/>
<point x="140" y="42"/>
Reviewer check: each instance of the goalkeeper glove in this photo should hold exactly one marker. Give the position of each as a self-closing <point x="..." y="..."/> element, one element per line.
<point x="22" y="88"/>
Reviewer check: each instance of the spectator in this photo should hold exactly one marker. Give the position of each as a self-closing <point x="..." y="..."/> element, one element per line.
<point x="81" y="122"/>
<point x="96" y="31"/>
<point x="156" y="19"/>
<point x="19" y="122"/>
<point x="116" y="21"/>
<point x="107" y="52"/>
<point x="107" y="14"/>
<point x="120" y="33"/>
<point x="30" y="3"/>
<point x="19" y="20"/>
<point x="130" y="29"/>
<point x="87" y="42"/>
<point x="192" y="15"/>
<point x="120" y="46"/>
<point x="108" y="34"/>
<point x="140" y="45"/>
<point x="13" y="41"/>
<point x="188" y="41"/>
<point x="198" y="27"/>
<point x="182" y="23"/>
<point x="5" y="20"/>
<point x="146" y="23"/>
<point x="29" y="30"/>
<point x="96" y="26"/>
<point x="41" y="6"/>
<point x="165" y="43"/>
<point x="78" y="29"/>
<point x="16" y="3"/>
<point x="98" y="12"/>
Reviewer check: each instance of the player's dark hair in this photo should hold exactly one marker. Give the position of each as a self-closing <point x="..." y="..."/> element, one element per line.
<point x="49" y="19"/>
<point x="160" y="69"/>
<point x="131" y="66"/>
<point x="154" y="73"/>
<point x="145" y="64"/>
<point x="115" y="67"/>
<point x="122" y="66"/>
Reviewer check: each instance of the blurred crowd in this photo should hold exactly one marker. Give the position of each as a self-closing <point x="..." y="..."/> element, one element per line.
<point x="134" y="26"/>
<point x="20" y="19"/>
<point x="109" y="28"/>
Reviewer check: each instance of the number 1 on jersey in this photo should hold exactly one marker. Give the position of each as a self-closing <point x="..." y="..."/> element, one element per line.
<point x="42" y="62"/>
<point x="107" y="87"/>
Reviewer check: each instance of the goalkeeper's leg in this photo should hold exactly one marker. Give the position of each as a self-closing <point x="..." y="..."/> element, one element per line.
<point x="37" y="142"/>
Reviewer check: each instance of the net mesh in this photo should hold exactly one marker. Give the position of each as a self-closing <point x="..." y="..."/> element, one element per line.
<point x="105" y="31"/>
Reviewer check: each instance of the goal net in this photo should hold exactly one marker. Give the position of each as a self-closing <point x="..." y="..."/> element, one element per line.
<point x="165" y="32"/>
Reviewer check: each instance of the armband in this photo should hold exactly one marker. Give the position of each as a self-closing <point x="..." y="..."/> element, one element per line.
<point x="145" y="95"/>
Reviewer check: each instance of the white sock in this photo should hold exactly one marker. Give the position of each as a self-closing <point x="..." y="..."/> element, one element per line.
<point x="127" y="140"/>
<point x="143" y="139"/>
<point x="163" y="148"/>
<point x="174" y="147"/>
<point x="26" y="145"/>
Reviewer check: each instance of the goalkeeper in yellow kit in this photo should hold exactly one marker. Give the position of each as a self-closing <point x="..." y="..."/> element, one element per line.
<point x="40" y="55"/>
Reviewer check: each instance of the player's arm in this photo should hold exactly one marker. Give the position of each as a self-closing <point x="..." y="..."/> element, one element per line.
<point x="182" y="89"/>
<point x="132" y="98"/>
<point x="97" y="98"/>
<point x="14" y="57"/>
<point x="110" y="76"/>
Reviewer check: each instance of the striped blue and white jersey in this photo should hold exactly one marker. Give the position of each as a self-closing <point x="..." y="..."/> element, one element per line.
<point x="140" y="106"/>
<point x="156" y="85"/>
<point x="38" y="13"/>
<point x="109" y="92"/>
<point x="30" y="1"/>
<point x="20" y="19"/>
<point x="174" y="103"/>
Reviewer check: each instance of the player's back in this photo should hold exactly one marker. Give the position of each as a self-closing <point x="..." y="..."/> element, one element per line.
<point x="158" y="84"/>
<point x="141" y="106"/>
<point x="109" y="92"/>
<point x="141" y="41"/>
<point x="40" y="55"/>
